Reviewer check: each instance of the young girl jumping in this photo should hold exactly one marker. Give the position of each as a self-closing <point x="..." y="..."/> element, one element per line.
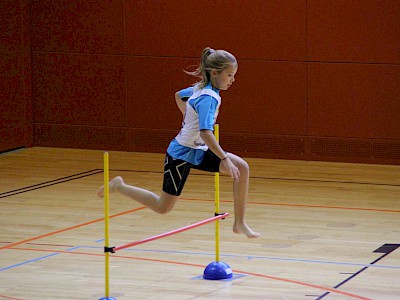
<point x="196" y="146"/>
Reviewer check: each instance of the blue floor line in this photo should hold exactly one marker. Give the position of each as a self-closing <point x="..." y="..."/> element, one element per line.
<point x="249" y="257"/>
<point x="28" y="262"/>
<point x="35" y="259"/>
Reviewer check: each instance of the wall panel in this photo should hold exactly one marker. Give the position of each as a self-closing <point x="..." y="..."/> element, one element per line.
<point x="16" y="137"/>
<point x="354" y="150"/>
<point x="265" y="145"/>
<point x="81" y="137"/>
<point x="79" y="89"/>
<point x="10" y="27"/>
<point x="317" y="80"/>
<point x="151" y="86"/>
<point x="78" y="26"/>
<point x="354" y="31"/>
<point x="267" y="98"/>
<point x="149" y="140"/>
<point x="252" y="30"/>
<point x="15" y="105"/>
<point x="354" y="101"/>
<point x="15" y="76"/>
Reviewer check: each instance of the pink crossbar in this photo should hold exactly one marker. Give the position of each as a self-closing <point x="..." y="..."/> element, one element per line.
<point x="156" y="237"/>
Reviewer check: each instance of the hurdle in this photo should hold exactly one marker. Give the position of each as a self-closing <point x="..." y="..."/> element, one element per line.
<point x="215" y="270"/>
<point x="168" y="233"/>
<point x="106" y="228"/>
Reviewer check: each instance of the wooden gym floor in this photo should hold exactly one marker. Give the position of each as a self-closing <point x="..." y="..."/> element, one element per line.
<point x="329" y="231"/>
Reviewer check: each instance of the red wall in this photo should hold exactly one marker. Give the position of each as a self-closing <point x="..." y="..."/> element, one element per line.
<point x="317" y="79"/>
<point x="16" y="129"/>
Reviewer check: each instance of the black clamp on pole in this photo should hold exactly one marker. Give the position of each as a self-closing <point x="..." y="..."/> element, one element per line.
<point x="219" y="214"/>
<point x="109" y="249"/>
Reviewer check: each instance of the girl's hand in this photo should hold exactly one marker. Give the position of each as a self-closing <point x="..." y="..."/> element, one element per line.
<point x="232" y="170"/>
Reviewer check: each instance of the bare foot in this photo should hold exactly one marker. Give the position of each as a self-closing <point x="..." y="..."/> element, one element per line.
<point x="114" y="185"/>
<point x="246" y="230"/>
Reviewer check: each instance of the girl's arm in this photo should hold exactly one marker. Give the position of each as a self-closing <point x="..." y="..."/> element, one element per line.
<point x="212" y="143"/>
<point x="208" y="137"/>
<point x="181" y="104"/>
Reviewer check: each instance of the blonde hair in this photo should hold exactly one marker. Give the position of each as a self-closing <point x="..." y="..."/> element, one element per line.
<point x="211" y="59"/>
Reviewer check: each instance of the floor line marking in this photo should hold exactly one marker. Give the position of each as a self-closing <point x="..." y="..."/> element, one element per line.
<point x="386" y="249"/>
<point x="332" y="290"/>
<point x="300" y="260"/>
<point x="9" y="298"/>
<point x="49" y="183"/>
<point x="68" y="229"/>
<point x="35" y="259"/>
<point x="300" y="205"/>
<point x="205" y="174"/>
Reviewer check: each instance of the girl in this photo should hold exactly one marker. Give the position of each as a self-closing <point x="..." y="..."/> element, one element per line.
<point x="196" y="146"/>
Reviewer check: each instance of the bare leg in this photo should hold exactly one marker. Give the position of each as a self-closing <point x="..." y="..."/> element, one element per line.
<point x="160" y="204"/>
<point x="240" y="190"/>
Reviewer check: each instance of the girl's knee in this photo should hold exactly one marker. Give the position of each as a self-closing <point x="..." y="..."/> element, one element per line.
<point x="166" y="203"/>
<point x="164" y="209"/>
<point x="243" y="165"/>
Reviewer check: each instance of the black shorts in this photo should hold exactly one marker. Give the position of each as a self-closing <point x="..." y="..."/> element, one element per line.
<point x="176" y="171"/>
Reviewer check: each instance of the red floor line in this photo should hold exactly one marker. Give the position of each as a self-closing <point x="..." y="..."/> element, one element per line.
<point x="9" y="298"/>
<point x="68" y="229"/>
<point x="307" y="284"/>
<point x="327" y="289"/>
<point x="301" y="205"/>
<point x="329" y="207"/>
<point x="194" y="199"/>
<point x="43" y="244"/>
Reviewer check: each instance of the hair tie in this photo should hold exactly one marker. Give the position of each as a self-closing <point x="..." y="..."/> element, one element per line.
<point x="211" y="50"/>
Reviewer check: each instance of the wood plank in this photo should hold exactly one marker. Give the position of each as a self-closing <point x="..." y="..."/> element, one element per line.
<point x="320" y="224"/>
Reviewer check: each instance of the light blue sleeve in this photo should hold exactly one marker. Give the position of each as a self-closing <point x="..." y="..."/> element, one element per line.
<point x="186" y="93"/>
<point x="206" y="107"/>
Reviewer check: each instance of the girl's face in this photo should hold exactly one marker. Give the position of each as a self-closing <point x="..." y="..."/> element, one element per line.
<point x="224" y="79"/>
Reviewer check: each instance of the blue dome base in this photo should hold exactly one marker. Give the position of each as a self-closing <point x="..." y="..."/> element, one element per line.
<point x="217" y="271"/>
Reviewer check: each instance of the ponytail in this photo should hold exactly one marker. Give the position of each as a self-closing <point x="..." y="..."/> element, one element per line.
<point x="211" y="59"/>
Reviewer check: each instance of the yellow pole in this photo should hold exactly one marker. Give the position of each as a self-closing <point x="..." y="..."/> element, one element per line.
<point x="107" y="224"/>
<point x="216" y="179"/>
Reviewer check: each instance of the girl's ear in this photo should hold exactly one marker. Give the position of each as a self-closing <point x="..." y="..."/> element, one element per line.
<point x="213" y="73"/>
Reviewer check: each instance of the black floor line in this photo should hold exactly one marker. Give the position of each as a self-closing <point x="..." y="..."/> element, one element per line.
<point x="50" y="183"/>
<point x="386" y="249"/>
